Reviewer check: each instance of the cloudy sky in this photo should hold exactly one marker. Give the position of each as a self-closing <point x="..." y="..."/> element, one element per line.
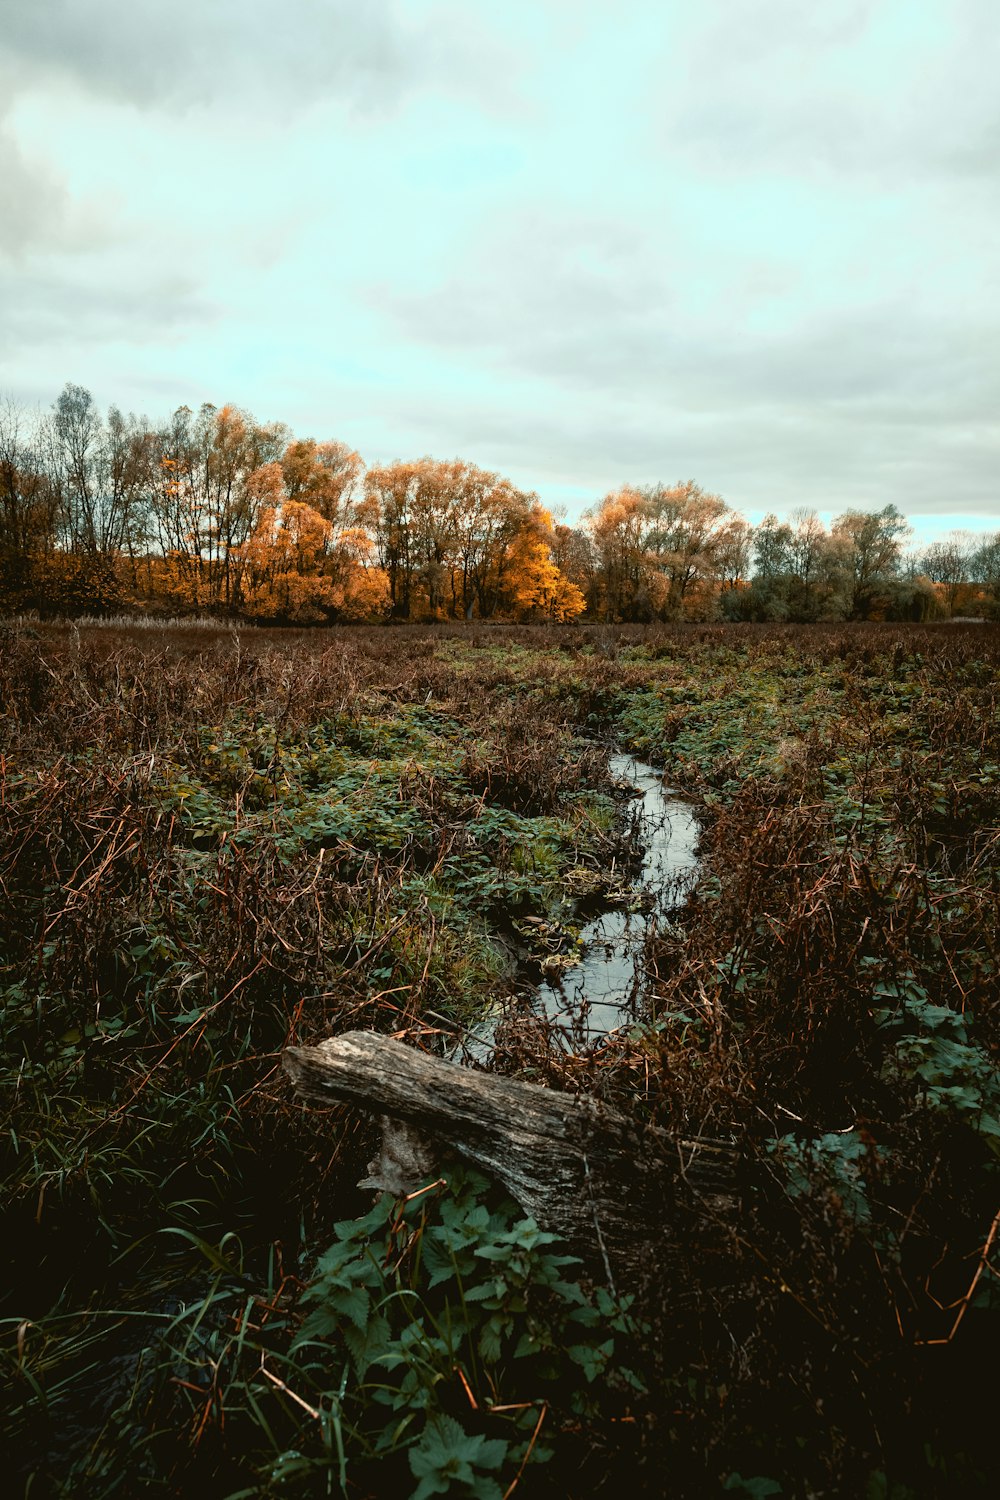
<point x="752" y="242"/>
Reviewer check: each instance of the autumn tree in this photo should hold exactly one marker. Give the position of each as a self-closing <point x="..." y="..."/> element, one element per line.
<point x="308" y="562"/>
<point x="681" y="542"/>
<point x="206" y="503"/>
<point x="575" y="556"/>
<point x="949" y="563"/>
<point x="386" y="512"/>
<point x="872" y="543"/>
<point x="281" y="563"/>
<point x="657" y="545"/>
<point x="984" y="570"/>
<point x="618" y="527"/>
<point x="411" y="510"/>
<point x="361" y="587"/>
<point x="437" y="499"/>
<point x="733" y="551"/>
<point x="231" y="449"/>
<point x="451" y="537"/>
<point x="323" y="475"/>
<point x="492" y="515"/>
<point x="28" y="503"/>
<point x="537" y="586"/>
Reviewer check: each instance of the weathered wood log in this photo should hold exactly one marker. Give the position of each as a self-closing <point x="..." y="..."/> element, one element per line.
<point x="610" y="1186"/>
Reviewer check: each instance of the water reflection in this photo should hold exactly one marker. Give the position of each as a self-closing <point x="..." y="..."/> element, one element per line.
<point x="599" y="993"/>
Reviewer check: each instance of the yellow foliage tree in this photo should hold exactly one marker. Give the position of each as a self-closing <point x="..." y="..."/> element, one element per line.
<point x="281" y="577"/>
<point x="323" y="475"/>
<point x="536" y="584"/>
<point x="362" y="588"/>
<point x="291" y="569"/>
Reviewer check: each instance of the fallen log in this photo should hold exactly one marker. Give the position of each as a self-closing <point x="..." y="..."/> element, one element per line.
<point x="612" y="1187"/>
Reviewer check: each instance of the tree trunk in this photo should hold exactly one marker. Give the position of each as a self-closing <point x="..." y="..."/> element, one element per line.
<point x="619" y="1192"/>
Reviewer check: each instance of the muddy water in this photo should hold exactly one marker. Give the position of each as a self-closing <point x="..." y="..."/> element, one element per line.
<point x="600" y="992"/>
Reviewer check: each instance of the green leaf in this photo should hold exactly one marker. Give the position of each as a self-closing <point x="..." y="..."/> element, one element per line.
<point x="447" y="1454"/>
<point x="758" y="1487"/>
<point x="592" y="1361"/>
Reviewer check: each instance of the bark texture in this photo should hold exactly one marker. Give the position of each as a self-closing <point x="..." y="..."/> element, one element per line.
<point x="614" y="1189"/>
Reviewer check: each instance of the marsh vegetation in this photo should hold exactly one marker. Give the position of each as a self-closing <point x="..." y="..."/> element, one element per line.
<point x="215" y="842"/>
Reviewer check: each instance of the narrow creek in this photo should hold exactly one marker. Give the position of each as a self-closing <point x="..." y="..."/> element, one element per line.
<point x="600" y="992"/>
<point x="603" y="988"/>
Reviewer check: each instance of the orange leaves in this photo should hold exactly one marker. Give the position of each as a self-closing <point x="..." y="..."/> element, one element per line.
<point x="454" y="539"/>
<point x="264" y="488"/>
<point x="323" y="475"/>
<point x="537" y="584"/>
<point x="364" y="595"/>
<point x="660" y="548"/>
<point x="292" y="569"/>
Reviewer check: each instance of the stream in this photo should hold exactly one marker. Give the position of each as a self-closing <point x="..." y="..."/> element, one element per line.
<point x="600" y="991"/>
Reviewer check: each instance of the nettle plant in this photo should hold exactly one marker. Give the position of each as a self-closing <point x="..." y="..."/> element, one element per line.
<point x="440" y="1332"/>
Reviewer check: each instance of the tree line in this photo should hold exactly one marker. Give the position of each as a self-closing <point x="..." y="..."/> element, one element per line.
<point x="213" y="512"/>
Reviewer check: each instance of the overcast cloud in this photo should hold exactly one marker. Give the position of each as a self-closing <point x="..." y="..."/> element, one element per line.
<point x="753" y="242"/>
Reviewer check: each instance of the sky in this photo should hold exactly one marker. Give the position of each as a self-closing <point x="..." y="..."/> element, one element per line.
<point x="755" y="243"/>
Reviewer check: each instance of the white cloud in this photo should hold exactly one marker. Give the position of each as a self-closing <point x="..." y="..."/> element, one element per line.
<point x="756" y="243"/>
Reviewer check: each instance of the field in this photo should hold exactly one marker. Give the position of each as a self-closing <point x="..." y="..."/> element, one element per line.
<point x="215" y="842"/>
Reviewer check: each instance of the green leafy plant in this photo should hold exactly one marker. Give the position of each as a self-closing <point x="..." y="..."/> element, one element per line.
<point x="445" y="1329"/>
<point x="934" y="1049"/>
